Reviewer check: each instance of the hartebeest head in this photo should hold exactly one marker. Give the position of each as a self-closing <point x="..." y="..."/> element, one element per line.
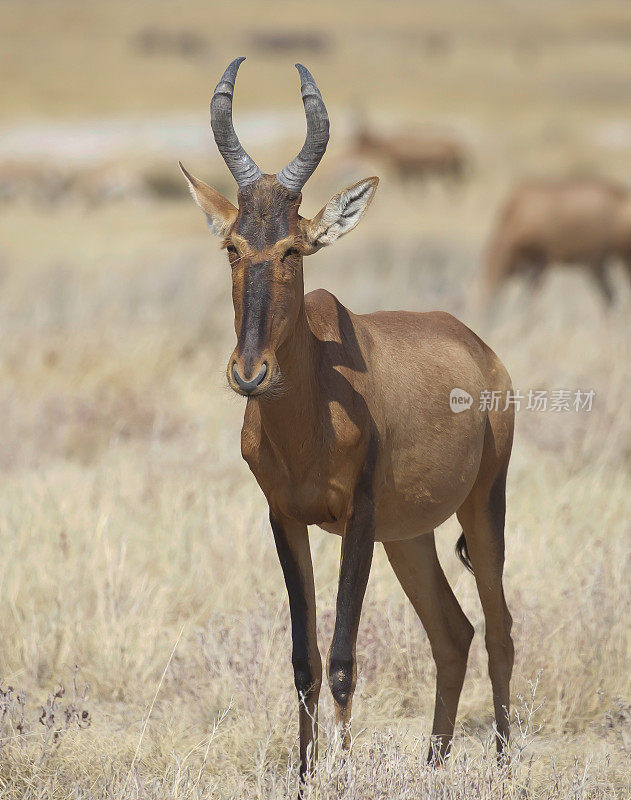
<point x="266" y="238"/>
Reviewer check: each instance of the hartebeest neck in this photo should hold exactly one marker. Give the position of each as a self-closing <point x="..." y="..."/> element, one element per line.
<point x="292" y="410"/>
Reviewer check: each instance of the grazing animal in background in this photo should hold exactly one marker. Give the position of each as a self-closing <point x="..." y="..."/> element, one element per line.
<point x="348" y="426"/>
<point x="413" y="156"/>
<point x="582" y="221"/>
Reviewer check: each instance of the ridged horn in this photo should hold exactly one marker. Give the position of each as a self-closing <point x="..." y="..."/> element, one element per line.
<point x="242" y="167"/>
<point x="297" y="172"/>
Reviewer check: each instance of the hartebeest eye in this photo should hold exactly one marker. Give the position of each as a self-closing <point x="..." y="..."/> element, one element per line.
<point x="232" y="250"/>
<point x="291" y="251"/>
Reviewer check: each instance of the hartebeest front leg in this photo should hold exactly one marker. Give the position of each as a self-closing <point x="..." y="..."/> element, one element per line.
<point x="292" y="544"/>
<point x="357" y="549"/>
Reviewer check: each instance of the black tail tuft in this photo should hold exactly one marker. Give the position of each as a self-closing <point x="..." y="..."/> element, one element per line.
<point x="463" y="553"/>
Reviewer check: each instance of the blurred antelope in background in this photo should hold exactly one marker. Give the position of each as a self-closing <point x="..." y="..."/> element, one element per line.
<point x="412" y="155"/>
<point x="582" y="221"/>
<point x="348" y="426"/>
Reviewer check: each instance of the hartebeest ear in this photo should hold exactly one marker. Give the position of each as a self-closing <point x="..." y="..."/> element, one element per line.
<point x="220" y="213"/>
<point x="340" y="215"/>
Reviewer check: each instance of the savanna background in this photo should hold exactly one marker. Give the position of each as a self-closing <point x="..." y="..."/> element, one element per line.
<point x="144" y="642"/>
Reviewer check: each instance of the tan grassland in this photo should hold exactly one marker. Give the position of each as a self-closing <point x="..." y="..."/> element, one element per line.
<point x="133" y="540"/>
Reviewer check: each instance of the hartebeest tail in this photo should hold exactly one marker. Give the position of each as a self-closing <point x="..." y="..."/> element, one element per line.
<point x="362" y="440"/>
<point x="463" y="553"/>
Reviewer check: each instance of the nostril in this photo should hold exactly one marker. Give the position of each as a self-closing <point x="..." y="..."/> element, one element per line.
<point x="261" y="374"/>
<point x="248" y="386"/>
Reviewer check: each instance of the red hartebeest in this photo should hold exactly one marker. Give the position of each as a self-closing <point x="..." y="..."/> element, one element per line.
<point x="582" y="221"/>
<point x="348" y="426"/>
<point x="414" y="155"/>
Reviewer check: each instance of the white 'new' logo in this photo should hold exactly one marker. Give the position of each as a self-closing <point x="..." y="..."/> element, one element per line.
<point x="459" y="400"/>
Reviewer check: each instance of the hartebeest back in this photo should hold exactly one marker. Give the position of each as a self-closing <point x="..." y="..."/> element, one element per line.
<point x="348" y="426"/>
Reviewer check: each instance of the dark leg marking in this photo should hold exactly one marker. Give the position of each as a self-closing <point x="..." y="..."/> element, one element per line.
<point x="292" y="545"/>
<point x="357" y="549"/>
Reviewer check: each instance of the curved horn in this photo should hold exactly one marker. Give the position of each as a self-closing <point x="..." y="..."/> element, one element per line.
<point x="297" y="172"/>
<point x="237" y="160"/>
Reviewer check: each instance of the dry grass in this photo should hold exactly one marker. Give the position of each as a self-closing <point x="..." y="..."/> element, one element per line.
<point x="134" y="540"/>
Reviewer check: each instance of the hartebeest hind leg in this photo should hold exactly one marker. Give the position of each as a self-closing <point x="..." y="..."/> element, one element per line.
<point x="416" y="565"/>
<point x="357" y="549"/>
<point x="482" y="518"/>
<point x="602" y="279"/>
<point x="292" y="544"/>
